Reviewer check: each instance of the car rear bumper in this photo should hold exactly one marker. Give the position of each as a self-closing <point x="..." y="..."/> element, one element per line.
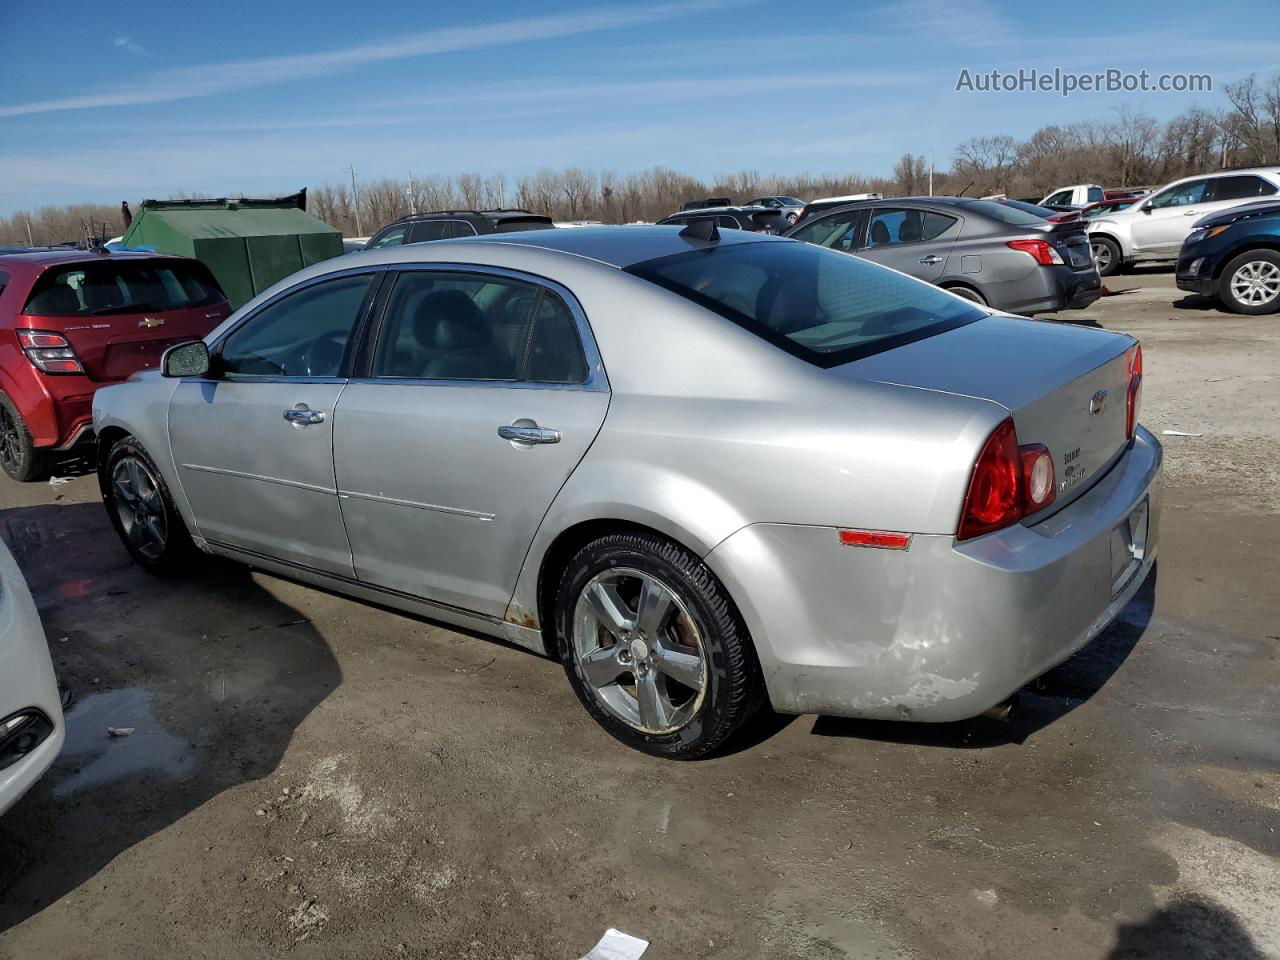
<point x="942" y="630"/>
<point x="26" y="684"/>
<point x="1046" y="289"/>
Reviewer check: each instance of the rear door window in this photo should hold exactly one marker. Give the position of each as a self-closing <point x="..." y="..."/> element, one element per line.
<point x="897" y="225"/>
<point x="1241" y="188"/>
<point x="122" y="286"/>
<point x="426" y="230"/>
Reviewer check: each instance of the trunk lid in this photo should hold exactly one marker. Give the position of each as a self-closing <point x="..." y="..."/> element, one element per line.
<point x="1065" y="386"/>
<point x="119" y="316"/>
<point x="1072" y="241"/>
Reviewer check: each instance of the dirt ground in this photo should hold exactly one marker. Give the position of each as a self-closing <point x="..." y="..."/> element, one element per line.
<point x="316" y="777"/>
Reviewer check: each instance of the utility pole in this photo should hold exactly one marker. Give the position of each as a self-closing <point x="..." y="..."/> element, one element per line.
<point x="355" y="201"/>
<point x="413" y="194"/>
<point x="931" y="173"/>
<point x="30" y="242"/>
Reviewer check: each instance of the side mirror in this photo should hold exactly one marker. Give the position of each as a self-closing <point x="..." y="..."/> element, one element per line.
<point x="1146" y="208"/>
<point x="186" y="360"/>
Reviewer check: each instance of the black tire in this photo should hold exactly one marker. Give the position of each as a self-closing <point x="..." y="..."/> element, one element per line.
<point x="1263" y="263"/>
<point x="1107" y="253"/>
<point x="732" y="688"/>
<point x="175" y="553"/>
<point x="19" y="457"/>
<point x="970" y="294"/>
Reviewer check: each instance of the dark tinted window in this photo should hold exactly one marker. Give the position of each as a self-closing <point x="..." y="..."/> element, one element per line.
<point x="303" y="334"/>
<point x="517" y="226"/>
<point x="838" y="231"/>
<point x="426" y="230"/>
<point x="897" y="225"/>
<point x="122" y="286"/>
<point x="1012" y="213"/>
<point x="4" y="281"/>
<point x="792" y="201"/>
<point x="729" y="222"/>
<point x="467" y="326"/>
<point x="1095" y="194"/>
<point x="823" y="306"/>
<point x="935" y="225"/>
<point x="1241" y="188"/>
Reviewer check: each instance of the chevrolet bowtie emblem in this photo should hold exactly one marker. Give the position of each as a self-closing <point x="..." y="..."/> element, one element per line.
<point x="150" y="322"/>
<point x="1098" y="402"/>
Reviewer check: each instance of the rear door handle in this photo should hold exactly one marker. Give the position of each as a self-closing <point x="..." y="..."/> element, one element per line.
<point x="531" y="434"/>
<point x="931" y="259"/>
<point x="1191" y="213"/>
<point x="303" y="415"/>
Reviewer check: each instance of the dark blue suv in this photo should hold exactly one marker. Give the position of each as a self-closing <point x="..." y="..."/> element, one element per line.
<point x="1234" y="257"/>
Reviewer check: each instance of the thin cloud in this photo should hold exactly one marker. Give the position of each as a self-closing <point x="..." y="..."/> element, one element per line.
<point x="204" y="80"/>
<point x="128" y="45"/>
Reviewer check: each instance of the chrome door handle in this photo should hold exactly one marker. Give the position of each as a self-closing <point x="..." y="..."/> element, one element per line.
<point x="304" y="416"/>
<point x="1191" y="213"/>
<point x="534" y="434"/>
<point x="931" y="259"/>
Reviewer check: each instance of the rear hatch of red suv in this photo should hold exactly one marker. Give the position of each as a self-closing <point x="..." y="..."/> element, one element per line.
<point x="111" y="317"/>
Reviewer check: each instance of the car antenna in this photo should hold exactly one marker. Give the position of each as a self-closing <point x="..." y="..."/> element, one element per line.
<point x="966" y="187"/>
<point x="702" y="228"/>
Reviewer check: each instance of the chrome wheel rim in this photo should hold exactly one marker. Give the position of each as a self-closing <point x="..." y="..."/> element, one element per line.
<point x="1101" y="255"/>
<point x="140" y="507"/>
<point x="1256" y="283"/>
<point x="639" y="651"/>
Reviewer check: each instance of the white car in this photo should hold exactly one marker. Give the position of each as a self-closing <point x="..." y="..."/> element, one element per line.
<point x="1075" y="196"/>
<point x="31" y="726"/>
<point x="1154" y="227"/>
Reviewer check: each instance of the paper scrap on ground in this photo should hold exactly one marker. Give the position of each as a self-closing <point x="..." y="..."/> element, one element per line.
<point x="1180" y="433"/>
<point x="58" y="481"/>
<point x="616" y="945"/>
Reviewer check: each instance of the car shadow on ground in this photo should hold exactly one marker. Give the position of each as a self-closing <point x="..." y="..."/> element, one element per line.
<point x="211" y="672"/>
<point x="1188" y="929"/>
<point x="1195" y="301"/>
<point x="1040" y="703"/>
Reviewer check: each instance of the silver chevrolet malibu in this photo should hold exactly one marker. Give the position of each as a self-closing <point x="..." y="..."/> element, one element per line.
<point x="702" y="470"/>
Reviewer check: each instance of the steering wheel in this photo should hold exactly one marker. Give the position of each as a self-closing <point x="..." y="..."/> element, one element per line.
<point x="324" y="355"/>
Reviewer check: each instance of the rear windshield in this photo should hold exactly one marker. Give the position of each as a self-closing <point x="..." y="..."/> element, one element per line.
<point x="516" y="226"/>
<point x="122" y="286"/>
<point x="823" y="306"/>
<point x="1012" y="212"/>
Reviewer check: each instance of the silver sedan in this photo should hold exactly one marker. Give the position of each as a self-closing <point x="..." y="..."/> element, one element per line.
<point x="703" y="471"/>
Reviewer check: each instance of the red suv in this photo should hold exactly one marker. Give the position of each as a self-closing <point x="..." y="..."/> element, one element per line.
<point x="72" y="321"/>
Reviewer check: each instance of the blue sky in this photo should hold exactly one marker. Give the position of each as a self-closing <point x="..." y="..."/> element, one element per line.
<point x="107" y="101"/>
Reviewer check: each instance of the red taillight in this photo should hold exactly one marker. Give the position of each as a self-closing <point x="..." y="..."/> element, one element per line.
<point x="1133" y="366"/>
<point x="1008" y="483"/>
<point x="49" y="352"/>
<point x="875" y="538"/>
<point x="1041" y="251"/>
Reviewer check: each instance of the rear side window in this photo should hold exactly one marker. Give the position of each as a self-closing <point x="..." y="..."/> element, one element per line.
<point x="469" y="326"/>
<point x="1095" y="194"/>
<point x="430" y="230"/>
<point x="1007" y="212"/>
<point x="518" y="226"/>
<point x="1241" y="188"/>
<point x="820" y="305"/>
<point x="122" y="286"/>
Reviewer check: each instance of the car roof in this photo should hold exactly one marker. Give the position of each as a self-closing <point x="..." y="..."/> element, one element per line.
<point x="620" y="246"/>
<point x="511" y="214"/>
<point x="48" y="258"/>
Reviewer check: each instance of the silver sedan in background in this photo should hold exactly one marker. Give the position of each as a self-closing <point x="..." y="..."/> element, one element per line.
<point x="703" y="470"/>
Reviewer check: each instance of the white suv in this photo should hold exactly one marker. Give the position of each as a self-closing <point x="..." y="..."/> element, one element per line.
<point x="1154" y="227"/>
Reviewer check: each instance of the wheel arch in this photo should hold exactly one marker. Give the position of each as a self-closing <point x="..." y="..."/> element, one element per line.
<point x="951" y="285"/>
<point x="1271" y="244"/>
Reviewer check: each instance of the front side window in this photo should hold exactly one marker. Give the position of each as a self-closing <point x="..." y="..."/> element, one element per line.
<point x="303" y="334"/>
<point x="1182" y="195"/>
<point x="468" y="326"/>
<point x="122" y="286"/>
<point x="391" y="237"/>
<point x="820" y="305"/>
<point x="1062" y="196"/>
<point x="838" y="231"/>
<point x="1241" y="188"/>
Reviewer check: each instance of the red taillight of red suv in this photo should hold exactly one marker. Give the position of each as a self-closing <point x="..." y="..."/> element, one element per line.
<point x="1041" y="251"/>
<point x="49" y="352"/>
<point x="1009" y="482"/>
<point x="1133" y="367"/>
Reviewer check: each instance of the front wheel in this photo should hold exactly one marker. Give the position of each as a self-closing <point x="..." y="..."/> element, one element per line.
<point x="142" y="510"/>
<point x="1250" y="283"/>
<point x="1107" y="255"/>
<point x="654" y="647"/>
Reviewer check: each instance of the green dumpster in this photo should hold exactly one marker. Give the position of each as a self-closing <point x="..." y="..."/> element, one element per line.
<point x="249" y="244"/>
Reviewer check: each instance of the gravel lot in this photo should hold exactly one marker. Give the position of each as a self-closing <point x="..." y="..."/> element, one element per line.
<point x="316" y="777"/>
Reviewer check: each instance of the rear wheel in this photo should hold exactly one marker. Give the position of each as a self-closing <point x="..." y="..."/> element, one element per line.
<point x="969" y="294"/>
<point x="142" y="511"/>
<point x="19" y="457"/>
<point x="1107" y="255"/>
<point x="1250" y="283"/>
<point x="653" y="646"/>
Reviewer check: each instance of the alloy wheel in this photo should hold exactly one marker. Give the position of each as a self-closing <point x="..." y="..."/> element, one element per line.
<point x="140" y="507"/>
<point x="10" y="441"/>
<point x="1101" y="256"/>
<point x="1256" y="283"/>
<point x="639" y="650"/>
